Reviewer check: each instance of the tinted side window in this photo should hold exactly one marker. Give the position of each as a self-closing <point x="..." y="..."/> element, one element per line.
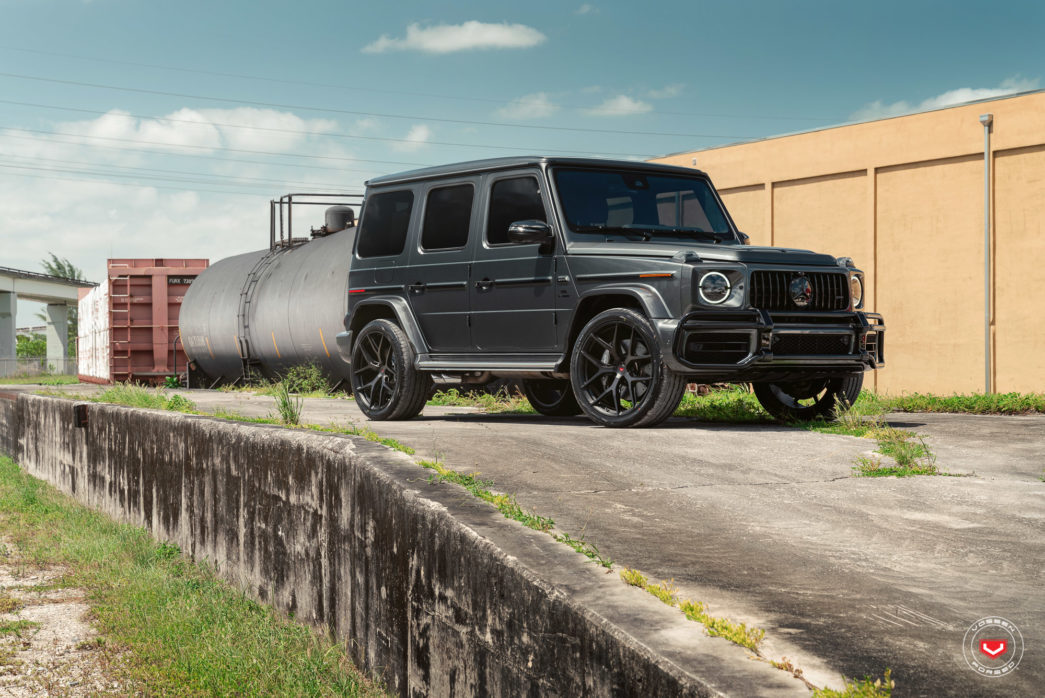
<point x="511" y="200"/>
<point x="448" y="214"/>
<point x="386" y="220"/>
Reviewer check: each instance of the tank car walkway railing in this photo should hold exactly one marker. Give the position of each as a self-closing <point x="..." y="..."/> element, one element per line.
<point x="281" y="214"/>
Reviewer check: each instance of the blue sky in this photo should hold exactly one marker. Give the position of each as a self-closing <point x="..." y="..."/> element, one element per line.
<point x="224" y="105"/>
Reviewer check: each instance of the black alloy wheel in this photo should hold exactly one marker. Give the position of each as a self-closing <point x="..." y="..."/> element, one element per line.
<point x="618" y="375"/>
<point x="384" y="381"/>
<point x="808" y="399"/>
<point x="552" y="398"/>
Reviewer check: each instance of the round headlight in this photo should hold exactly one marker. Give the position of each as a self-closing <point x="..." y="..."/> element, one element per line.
<point x="856" y="290"/>
<point x="714" y="287"/>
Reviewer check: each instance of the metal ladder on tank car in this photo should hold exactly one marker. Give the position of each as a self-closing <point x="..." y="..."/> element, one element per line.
<point x="251" y="364"/>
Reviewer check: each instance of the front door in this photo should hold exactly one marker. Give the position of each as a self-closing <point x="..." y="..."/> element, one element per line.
<point x="512" y="285"/>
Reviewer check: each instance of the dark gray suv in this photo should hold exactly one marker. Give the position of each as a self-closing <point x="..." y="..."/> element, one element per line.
<point x="603" y="286"/>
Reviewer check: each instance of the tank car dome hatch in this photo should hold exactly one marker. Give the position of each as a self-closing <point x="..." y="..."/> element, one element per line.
<point x="337" y="218"/>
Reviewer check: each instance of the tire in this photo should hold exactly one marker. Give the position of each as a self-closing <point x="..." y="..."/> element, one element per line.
<point x="809" y="399"/>
<point x="618" y="374"/>
<point x="552" y="398"/>
<point x="384" y="381"/>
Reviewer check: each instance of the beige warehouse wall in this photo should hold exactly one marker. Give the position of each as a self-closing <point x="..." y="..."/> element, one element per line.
<point x="904" y="198"/>
<point x="1019" y="263"/>
<point x="747" y="206"/>
<point x="930" y="276"/>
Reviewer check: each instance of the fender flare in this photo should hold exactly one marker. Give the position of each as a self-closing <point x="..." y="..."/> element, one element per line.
<point x="403" y="315"/>
<point x="649" y="299"/>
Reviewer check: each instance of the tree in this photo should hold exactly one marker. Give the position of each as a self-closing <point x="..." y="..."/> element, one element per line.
<point x="34" y="347"/>
<point x="61" y="266"/>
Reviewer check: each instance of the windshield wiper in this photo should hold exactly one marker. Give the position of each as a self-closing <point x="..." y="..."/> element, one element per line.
<point x="640" y="233"/>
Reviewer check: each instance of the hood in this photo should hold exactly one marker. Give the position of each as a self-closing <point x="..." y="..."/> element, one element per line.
<point x="744" y="254"/>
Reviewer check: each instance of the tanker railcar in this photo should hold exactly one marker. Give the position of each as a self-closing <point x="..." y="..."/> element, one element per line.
<point x="263" y="312"/>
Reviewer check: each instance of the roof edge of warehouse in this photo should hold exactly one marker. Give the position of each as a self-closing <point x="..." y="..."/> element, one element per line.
<point x="847" y="124"/>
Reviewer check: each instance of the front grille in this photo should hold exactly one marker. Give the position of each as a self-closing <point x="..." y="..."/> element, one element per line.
<point x="770" y="290"/>
<point x="800" y="344"/>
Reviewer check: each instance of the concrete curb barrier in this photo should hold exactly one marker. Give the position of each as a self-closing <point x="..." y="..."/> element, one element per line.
<point x="435" y="592"/>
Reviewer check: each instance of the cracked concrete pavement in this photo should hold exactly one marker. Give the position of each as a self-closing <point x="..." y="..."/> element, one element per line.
<point x="766" y="524"/>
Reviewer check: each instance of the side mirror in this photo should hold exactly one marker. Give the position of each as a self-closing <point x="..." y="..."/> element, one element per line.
<point x="524" y="232"/>
<point x="745" y="239"/>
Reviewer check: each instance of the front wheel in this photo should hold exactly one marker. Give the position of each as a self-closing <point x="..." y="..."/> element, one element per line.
<point x="552" y="398"/>
<point x="804" y="400"/>
<point x="384" y="381"/>
<point x="618" y="373"/>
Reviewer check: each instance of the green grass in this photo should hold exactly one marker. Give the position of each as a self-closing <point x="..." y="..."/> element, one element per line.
<point x="735" y="404"/>
<point x="977" y="403"/>
<point x="39" y="380"/>
<point x="175" y="628"/>
<point x="505" y="503"/>
<point x="737" y="633"/>
<point x="585" y="548"/>
<point x="500" y="402"/>
<point x="865" y="688"/>
<point x="137" y="396"/>
<point x="16" y="627"/>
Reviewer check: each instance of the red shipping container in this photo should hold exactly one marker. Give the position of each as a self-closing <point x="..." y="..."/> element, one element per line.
<point x="144" y="299"/>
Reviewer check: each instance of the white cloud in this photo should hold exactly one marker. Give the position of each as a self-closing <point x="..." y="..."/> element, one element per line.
<point x="882" y="110"/>
<point x="666" y="92"/>
<point x="415" y="138"/>
<point x="449" y="38"/>
<point x="534" y="106"/>
<point x="621" y="105"/>
<point x="82" y="200"/>
<point x="586" y="9"/>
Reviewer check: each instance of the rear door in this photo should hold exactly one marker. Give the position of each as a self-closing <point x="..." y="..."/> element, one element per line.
<point x="512" y="289"/>
<point x="437" y="280"/>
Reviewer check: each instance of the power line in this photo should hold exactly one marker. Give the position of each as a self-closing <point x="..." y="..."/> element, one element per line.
<point x="238" y="178"/>
<point x="109" y="182"/>
<point x="351" y="112"/>
<point x="123" y="176"/>
<point x="207" y="147"/>
<point x="270" y="163"/>
<point x="298" y="131"/>
<point x="353" y="88"/>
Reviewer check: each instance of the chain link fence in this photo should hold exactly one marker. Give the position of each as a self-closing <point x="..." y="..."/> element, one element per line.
<point x="14" y="368"/>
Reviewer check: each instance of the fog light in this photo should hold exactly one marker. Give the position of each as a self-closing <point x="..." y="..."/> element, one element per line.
<point x="714" y="287"/>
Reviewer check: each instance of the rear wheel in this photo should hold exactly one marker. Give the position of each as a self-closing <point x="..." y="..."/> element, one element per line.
<point x="384" y="381"/>
<point x="552" y="398"/>
<point x="808" y="399"/>
<point x="618" y="373"/>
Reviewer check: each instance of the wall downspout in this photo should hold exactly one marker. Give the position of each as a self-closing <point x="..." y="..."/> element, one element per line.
<point x="987" y="120"/>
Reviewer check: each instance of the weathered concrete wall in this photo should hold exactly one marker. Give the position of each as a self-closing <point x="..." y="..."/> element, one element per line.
<point x="435" y="593"/>
<point x="9" y="426"/>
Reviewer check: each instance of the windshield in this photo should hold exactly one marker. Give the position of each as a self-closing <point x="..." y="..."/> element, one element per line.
<point x="637" y="205"/>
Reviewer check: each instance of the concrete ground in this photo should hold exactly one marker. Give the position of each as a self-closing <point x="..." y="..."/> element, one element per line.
<point x="767" y="525"/>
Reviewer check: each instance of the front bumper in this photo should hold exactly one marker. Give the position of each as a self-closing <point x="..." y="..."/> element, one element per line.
<point x="344" y="346"/>
<point x="758" y="344"/>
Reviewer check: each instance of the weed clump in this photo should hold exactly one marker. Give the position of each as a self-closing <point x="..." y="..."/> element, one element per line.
<point x="288" y="406"/>
<point x="306" y="378"/>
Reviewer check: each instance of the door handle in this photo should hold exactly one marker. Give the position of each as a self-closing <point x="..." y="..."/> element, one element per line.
<point x="484" y="285"/>
<point x="416" y="287"/>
